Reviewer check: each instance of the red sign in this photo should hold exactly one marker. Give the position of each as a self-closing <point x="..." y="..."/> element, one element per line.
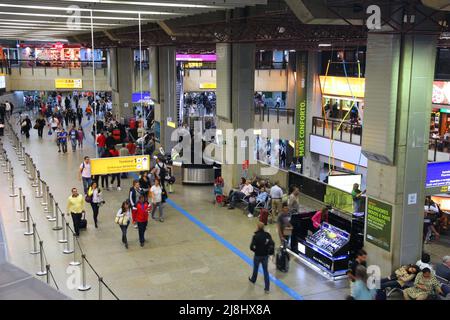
<point x="245" y="165"/>
<point x="441" y="92"/>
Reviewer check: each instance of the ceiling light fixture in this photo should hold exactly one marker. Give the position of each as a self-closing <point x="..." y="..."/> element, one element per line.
<point x="324" y="44"/>
<point x="153" y="4"/>
<point x="67" y="16"/>
<point x="59" y="22"/>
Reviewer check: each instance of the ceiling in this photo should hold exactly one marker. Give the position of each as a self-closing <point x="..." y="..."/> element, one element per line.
<point x="59" y="19"/>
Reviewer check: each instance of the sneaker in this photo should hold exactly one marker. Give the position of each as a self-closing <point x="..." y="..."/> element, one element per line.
<point x="230" y="208"/>
<point x="135" y="226"/>
<point x="250" y="215"/>
<point x="119" y="188"/>
<point x="266" y="291"/>
<point x="250" y="279"/>
<point x="161" y="220"/>
<point x="126" y="245"/>
<point x="142" y="244"/>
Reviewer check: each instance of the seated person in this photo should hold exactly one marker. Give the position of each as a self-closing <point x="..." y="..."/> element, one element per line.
<point x="245" y="191"/>
<point x="401" y="276"/>
<point x="260" y="198"/>
<point x="443" y="271"/>
<point x="360" y="259"/>
<point x="424" y="262"/>
<point x="243" y="180"/>
<point x="425" y="285"/>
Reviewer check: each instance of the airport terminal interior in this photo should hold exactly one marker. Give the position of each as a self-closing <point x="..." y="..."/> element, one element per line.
<point x="224" y="150"/>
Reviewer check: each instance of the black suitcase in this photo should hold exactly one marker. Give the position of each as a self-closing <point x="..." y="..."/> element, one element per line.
<point x="282" y="260"/>
<point x="83" y="223"/>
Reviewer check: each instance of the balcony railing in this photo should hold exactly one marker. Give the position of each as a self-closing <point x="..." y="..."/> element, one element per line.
<point x="333" y="129"/>
<point x="7" y="65"/>
<point x="276" y="114"/>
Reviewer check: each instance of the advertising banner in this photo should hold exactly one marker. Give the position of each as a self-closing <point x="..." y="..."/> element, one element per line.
<point x="300" y="112"/>
<point x="68" y="83"/>
<point x="438" y="174"/>
<point x="339" y="199"/>
<point x="101" y="166"/>
<point x="378" y="223"/>
<point x="343" y="86"/>
<point x="441" y="92"/>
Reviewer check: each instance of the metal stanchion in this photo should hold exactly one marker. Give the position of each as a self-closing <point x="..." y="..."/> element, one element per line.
<point x="13" y="188"/>
<point x="29" y="232"/>
<point x="24" y="158"/>
<point x="35" y="242"/>
<point x="19" y="150"/>
<point x="8" y="165"/>
<point x="67" y="249"/>
<point x="83" y="286"/>
<point x="39" y="186"/>
<point x="100" y="288"/>
<point x="45" y="190"/>
<point x="64" y="230"/>
<point x="33" y="176"/>
<point x="27" y="163"/>
<point x="24" y="213"/>
<point x="50" y="208"/>
<point x="75" y="262"/>
<point x="10" y="171"/>
<point x="21" y="203"/>
<point x="47" y="268"/>
<point x="42" y="272"/>
<point x="57" y="227"/>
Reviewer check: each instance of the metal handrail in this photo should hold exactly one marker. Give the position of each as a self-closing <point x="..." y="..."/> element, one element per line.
<point x="321" y="125"/>
<point x="33" y="63"/>
<point x="265" y="113"/>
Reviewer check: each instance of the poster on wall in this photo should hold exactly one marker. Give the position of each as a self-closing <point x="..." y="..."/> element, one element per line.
<point x="379" y="223"/>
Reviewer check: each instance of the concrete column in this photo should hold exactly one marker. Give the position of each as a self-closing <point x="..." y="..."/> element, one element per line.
<point x="153" y="73"/>
<point x="167" y="110"/>
<point x="399" y="77"/>
<point x="121" y="77"/>
<point x="236" y="71"/>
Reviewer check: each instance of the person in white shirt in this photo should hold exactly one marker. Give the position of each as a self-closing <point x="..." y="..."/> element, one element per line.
<point x="246" y="190"/>
<point x="96" y="199"/>
<point x="156" y="195"/>
<point x="85" y="173"/>
<point x="424" y="262"/>
<point x="124" y="213"/>
<point x="276" y="194"/>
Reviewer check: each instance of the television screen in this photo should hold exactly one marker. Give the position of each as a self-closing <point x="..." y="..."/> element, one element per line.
<point x="2" y="82"/>
<point x="345" y="181"/>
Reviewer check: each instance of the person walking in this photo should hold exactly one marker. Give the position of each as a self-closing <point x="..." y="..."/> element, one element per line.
<point x="101" y="143"/>
<point x="85" y="174"/>
<point x="116" y="176"/>
<point x="54" y="123"/>
<point x="62" y="139"/>
<point x="73" y="134"/>
<point x="359" y="288"/>
<point x="144" y="183"/>
<point x="156" y="195"/>
<point x="79" y="115"/>
<point x="26" y="126"/>
<point x="123" y="220"/>
<point x="80" y="137"/>
<point x="263" y="246"/>
<point x="276" y="194"/>
<point x="133" y="198"/>
<point x="75" y="207"/>
<point x="142" y="210"/>
<point x="40" y="124"/>
<point x="95" y="196"/>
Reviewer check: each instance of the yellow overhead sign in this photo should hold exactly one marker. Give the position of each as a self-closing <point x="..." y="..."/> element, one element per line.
<point x="343" y="86"/>
<point x="68" y="83"/>
<point x="100" y="166"/>
<point x="208" y="85"/>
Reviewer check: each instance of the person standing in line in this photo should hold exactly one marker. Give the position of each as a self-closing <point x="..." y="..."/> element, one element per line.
<point x="95" y="195"/>
<point x="360" y="259"/>
<point x="40" y="124"/>
<point x="156" y="195"/>
<point x="73" y="134"/>
<point x="62" y="138"/>
<point x="142" y="210"/>
<point x="124" y="215"/>
<point x="101" y="143"/>
<point x="80" y="137"/>
<point x="276" y="194"/>
<point x="263" y="246"/>
<point x="134" y="197"/>
<point x="75" y="207"/>
<point x="85" y="174"/>
<point x="116" y="176"/>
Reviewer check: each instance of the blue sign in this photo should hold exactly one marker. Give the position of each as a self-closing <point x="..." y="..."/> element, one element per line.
<point x="136" y="97"/>
<point x="438" y="174"/>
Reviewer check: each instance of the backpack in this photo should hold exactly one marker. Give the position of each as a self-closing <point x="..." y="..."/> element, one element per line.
<point x="271" y="247"/>
<point x="162" y="171"/>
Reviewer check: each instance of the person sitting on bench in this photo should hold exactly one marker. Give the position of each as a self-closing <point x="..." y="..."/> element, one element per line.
<point x="236" y="196"/>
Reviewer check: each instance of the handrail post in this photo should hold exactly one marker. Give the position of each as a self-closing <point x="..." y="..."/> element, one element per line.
<point x="39" y="186"/>
<point x="64" y="230"/>
<point x="13" y="188"/>
<point x="24" y="213"/>
<point x="29" y="232"/>
<point x="41" y="272"/>
<point x="35" y="244"/>
<point x="44" y="201"/>
<point x="57" y="227"/>
<point x="67" y="249"/>
<point x="100" y="288"/>
<point x="50" y="208"/>
<point x="21" y="204"/>
<point x="83" y="286"/>
<point x="74" y="262"/>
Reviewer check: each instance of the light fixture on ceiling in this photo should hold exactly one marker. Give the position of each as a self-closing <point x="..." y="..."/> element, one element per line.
<point x="67" y="16"/>
<point x="152" y="4"/>
<point x="281" y="29"/>
<point x="324" y="44"/>
<point x="59" y="22"/>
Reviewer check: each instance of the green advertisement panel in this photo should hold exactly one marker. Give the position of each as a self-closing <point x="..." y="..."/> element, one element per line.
<point x="300" y="112"/>
<point x="339" y="199"/>
<point x="378" y="223"/>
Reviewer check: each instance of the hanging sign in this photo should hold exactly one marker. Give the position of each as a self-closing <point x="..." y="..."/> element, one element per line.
<point x="102" y="166"/>
<point x="68" y="83"/>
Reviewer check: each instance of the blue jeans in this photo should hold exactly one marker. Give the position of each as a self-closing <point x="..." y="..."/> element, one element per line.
<point x="445" y="289"/>
<point x="264" y="260"/>
<point x="86" y="183"/>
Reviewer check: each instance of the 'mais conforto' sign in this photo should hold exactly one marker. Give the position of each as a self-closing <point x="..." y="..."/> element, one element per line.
<point x="301" y="125"/>
<point x="113" y="165"/>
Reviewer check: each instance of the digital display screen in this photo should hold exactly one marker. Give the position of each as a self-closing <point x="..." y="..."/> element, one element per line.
<point x="2" y="82"/>
<point x="136" y="97"/>
<point x="345" y="181"/>
<point x="438" y="174"/>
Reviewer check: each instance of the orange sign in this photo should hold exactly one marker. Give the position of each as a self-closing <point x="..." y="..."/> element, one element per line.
<point x="343" y="86"/>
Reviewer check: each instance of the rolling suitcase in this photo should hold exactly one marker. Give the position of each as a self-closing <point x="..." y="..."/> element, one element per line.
<point x="83" y="222"/>
<point x="263" y="215"/>
<point x="282" y="260"/>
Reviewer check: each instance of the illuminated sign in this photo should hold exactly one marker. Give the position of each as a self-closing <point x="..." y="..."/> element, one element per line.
<point x="343" y="86"/>
<point x="438" y="174"/>
<point x="196" y="57"/>
<point x="441" y="92"/>
<point x="136" y="97"/>
<point x="2" y="82"/>
<point x="68" y="84"/>
<point x="193" y="65"/>
<point x="208" y="85"/>
<point x="444" y="110"/>
<point x="301" y="129"/>
<point x="101" y="166"/>
<point x="348" y="166"/>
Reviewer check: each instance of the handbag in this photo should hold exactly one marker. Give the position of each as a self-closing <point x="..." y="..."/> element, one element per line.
<point x="122" y="220"/>
<point x="49" y="132"/>
<point x="88" y="199"/>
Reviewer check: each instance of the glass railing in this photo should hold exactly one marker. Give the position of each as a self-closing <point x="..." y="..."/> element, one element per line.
<point x="7" y="65"/>
<point x="284" y="115"/>
<point x="337" y="130"/>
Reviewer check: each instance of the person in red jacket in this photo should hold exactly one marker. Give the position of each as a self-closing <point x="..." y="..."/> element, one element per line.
<point x="101" y="143"/>
<point x="142" y="211"/>
<point x="131" y="148"/>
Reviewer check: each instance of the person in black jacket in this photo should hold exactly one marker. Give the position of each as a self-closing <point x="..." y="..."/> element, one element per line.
<point x="263" y="246"/>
